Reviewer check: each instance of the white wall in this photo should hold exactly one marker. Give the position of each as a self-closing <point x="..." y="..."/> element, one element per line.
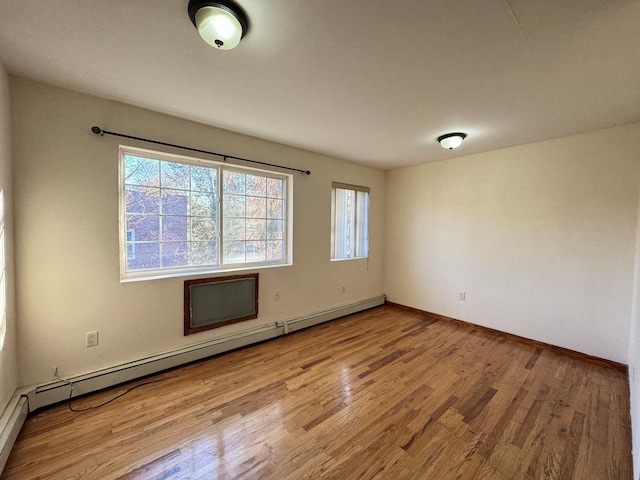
<point x="66" y="217"/>
<point x="8" y="355"/>
<point x="541" y="237"/>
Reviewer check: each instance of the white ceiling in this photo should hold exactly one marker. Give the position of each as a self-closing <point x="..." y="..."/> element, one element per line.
<point x="366" y="80"/>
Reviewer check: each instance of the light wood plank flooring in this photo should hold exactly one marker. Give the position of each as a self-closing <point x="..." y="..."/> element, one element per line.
<point x="385" y="394"/>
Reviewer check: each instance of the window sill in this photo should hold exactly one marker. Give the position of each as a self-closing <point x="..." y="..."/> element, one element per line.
<point x="348" y="259"/>
<point x="194" y="273"/>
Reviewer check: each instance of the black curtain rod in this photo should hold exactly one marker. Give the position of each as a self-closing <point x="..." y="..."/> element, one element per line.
<point x="99" y="131"/>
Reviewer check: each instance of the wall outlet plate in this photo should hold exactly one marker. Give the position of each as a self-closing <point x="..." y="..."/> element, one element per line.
<point x="92" y="339"/>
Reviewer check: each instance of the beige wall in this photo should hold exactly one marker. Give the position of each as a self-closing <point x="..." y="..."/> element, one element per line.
<point x="66" y="213"/>
<point x="541" y="238"/>
<point x="634" y="359"/>
<point x="8" y="355"/>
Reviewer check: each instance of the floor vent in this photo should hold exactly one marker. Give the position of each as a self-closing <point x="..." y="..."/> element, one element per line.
<point x="214" y="302"/>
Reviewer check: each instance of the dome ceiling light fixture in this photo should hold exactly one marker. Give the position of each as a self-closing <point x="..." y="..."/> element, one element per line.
<point x="451" y="140"/>
<point x="221" y="23"/>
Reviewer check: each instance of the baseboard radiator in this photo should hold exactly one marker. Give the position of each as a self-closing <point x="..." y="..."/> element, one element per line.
<point x="58" y="391"/>
<point x="11" y="422"/>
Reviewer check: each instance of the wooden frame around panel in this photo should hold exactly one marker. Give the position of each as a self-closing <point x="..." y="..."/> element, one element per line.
<point x="188" y="330"/>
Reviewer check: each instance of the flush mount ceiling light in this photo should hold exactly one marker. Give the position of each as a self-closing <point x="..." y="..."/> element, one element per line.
<point x="221" y="23"/>
<point x="451" y="140"/>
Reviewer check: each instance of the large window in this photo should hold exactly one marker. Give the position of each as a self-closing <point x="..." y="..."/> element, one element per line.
<point x="183" y="215"/>
<point x="349" y="221"/>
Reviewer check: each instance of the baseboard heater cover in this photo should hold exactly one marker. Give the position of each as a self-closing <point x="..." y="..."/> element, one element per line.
<point x="11" y="422"/>
<point x="310" y="320"/>
<point x="58" y="391"/>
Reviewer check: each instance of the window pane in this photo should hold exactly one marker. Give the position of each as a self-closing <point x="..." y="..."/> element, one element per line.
<point x="256" y="229"/>
<point x="204" y="205"/>
<point x="233" y="252"/>
<point x="234" y="228"/>
<point x="131" y="250"/>
<point x="234" y="206"/>
<point x="362" y="225"/>
<point x="143" y="200"/>
<point x="203" y="229"/>
<point x="275" y="229"/>
<point x="234" y="182"/>
<point x="275" y="187"/>
<point x="174" y="202"/>
<point x="256" y="207"/>
<point x="147" y="256"/>
<point x="174" y="228"/>
<point x="141" y="171"/>
<point x="204" y="253"/>
<point x="175" y="254"/>
<point x="256" y="251"/>
<point x="274" y="208"/>
<point x="255" y="216"/>
<point x="204" y="179"/>
<point x="275" y="250"/>
<point x="175" y="175"/>
<point x="143" y="228"/>
<point x="256" y="186"/>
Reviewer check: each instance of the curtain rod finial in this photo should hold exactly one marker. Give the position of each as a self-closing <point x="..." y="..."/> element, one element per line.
<point x="308" y="172"/>
<point x="96" y="130"/>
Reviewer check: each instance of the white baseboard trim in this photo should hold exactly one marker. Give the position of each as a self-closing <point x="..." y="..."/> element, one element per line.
<point x="316" y="318"/>
<point x="58" y="391"/>
<point x="10" y="424"/>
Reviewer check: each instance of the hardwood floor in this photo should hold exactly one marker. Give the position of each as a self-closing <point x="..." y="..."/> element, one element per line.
<point x="385" y="394"/>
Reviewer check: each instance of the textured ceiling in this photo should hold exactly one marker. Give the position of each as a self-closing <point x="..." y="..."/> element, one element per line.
<point x="370" y="81"/>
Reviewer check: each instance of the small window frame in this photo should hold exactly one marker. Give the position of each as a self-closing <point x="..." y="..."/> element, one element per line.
<point x="356" y="189"/>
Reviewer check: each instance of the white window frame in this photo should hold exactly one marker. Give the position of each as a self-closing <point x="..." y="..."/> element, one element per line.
<point x="168" y="272"/>
<point x="356" y="221"/>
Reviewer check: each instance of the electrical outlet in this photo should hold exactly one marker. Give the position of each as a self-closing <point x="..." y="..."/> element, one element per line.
<point x="462" y="296"/>
<point x="92" y="339"/>
<point x="276" y="294"/>
<point x="344" y="289"/>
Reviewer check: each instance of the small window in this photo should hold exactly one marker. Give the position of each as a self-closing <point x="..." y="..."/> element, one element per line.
<point x="349" y="221"/>
<point x="182" y="215"/>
